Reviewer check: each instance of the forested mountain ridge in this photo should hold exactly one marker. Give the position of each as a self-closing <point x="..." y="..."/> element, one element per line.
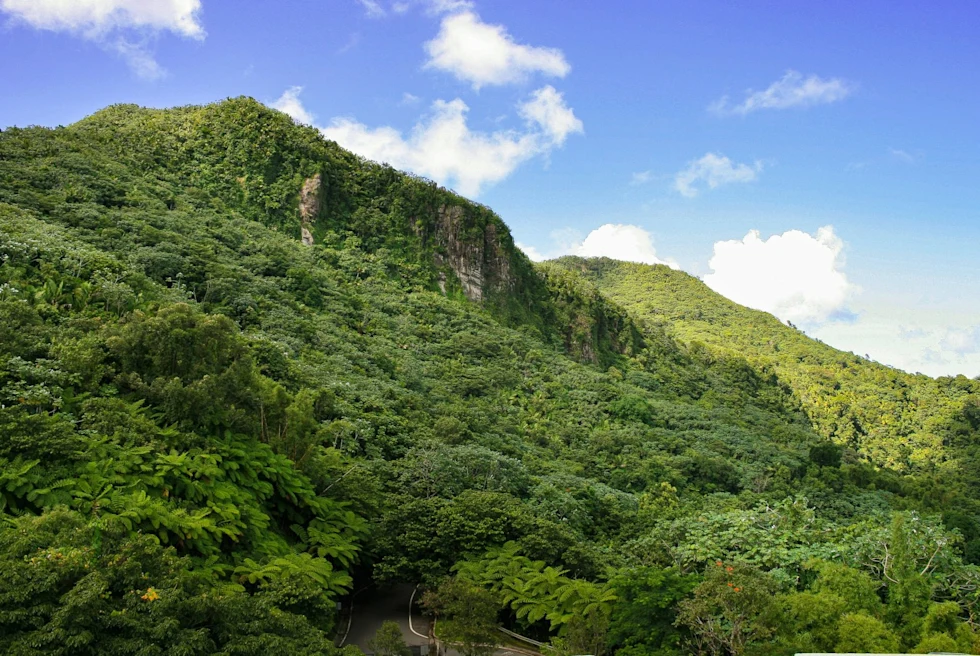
<point x="242" y="368"/>
<point x="910" y="423"/>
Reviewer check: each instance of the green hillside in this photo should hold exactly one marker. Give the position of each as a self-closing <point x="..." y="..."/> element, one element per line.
<point x="244" y="372"/>
<point x="910" y="423"/>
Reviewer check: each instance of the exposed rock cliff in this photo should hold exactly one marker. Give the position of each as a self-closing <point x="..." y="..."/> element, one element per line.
<point x="309" y="207"/>
<point x="477" y="257"/>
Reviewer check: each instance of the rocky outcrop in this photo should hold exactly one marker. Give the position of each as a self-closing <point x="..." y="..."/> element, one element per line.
<point x="309" y="207"/>
<point x="474" y="254"/>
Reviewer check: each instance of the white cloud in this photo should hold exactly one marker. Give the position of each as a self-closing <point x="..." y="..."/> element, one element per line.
<point x="448" y="6"/>
<point x="140" y="60"/>
<point x="901" y="155"/>
<point x="629" y="243"/>
<point x="620" y="242"/>
<point x="409" y="99"/>
<point x="431" y="7"/>
<point x="962" y="341"/>
<point x="532" y="253"/>
<point x="106" y="21"/>
<point x="795" y="276"/>
<point x="443" y="147"/>
<point x="350" y="44"/>
<point x="547" y="109"/>
<point x="641" y="178"/>
<point x="938" y="343"/>
<point x="484" y="54"/>
<point x="289" y="103"/>
<point x="372" y="8"/>
<point x="713" y="170"/>
<point x="98" y="17"/>
<point x="792" y="90"/>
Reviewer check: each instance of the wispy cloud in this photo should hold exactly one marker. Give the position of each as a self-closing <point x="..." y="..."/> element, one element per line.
<point x="713" y="170"/>
<point x="376" y="9"/>
<point x="962" y="341"/>
<point x="792" y="90"/>
<point x="373" y="8"/>
<point x="140" y="60"/>
<point x="641" y="178"/>
<point x="350" y="44"/>
<point x="901" y="155"/>
<point x="124" y="27"/>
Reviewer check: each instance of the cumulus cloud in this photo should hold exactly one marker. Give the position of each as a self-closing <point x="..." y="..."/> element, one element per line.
<point x="547" y="109"/>
<point x="713" y="170"/>
<point x="484" y="54"/>
<point x="289" y="103"/>
<point x="792" y="90"/>
<point x="96" y="17"/>
<point x="618" y="241"/>
<point x="795" y="276"/>
<point x="443" y="147"/>
<point x="108" y="22"/>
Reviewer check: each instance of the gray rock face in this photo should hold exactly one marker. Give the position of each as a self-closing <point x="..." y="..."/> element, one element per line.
<point x="478" y="260"/>
<point x="309" y="207"/>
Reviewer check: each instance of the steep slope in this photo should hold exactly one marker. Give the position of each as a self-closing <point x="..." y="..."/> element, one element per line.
<point x="908" y="422"/>
<point x="241" y="369"/>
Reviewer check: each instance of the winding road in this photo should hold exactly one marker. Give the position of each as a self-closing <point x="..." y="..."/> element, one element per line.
<point x="374" y="607"/>
<point x="396" y="604"/>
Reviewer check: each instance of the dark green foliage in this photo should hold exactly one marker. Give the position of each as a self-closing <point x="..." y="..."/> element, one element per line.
<point x="255" y="421"/>
<point x="466" y="614"/>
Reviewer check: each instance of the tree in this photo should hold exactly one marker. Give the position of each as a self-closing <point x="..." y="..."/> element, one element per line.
<point x="861" y="633"/>
<point x="389" y="641"/>
<point x="466" y="616"/>
<point x="731" y="608"/>
<point x="643" y="616"/>
<point x="586" y="634"/>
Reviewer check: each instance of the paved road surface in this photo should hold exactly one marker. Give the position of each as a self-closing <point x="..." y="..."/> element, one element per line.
<point x="373" y="607"/>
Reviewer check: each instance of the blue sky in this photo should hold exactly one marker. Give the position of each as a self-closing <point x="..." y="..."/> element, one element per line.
<point x="816" y="160"/>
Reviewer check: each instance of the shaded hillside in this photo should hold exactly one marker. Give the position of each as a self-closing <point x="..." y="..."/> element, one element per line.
<point x="243" y="370"/>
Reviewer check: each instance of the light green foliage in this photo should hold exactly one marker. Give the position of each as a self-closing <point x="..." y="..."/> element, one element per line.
<point x="858" y="590"/>
<point x="861" y="633"/>
<point x="389" y="641"/>
<point x="535" y="591"/>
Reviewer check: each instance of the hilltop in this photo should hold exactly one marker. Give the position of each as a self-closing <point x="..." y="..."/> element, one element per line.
<point x="243" y="371"/>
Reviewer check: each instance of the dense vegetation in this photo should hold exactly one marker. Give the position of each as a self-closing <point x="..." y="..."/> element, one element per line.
<point x="211" y="431"/>
<point x="919" y="427"/>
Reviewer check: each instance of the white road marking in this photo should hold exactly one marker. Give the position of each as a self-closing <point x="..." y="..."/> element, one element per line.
<point x="411" y="601"/>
